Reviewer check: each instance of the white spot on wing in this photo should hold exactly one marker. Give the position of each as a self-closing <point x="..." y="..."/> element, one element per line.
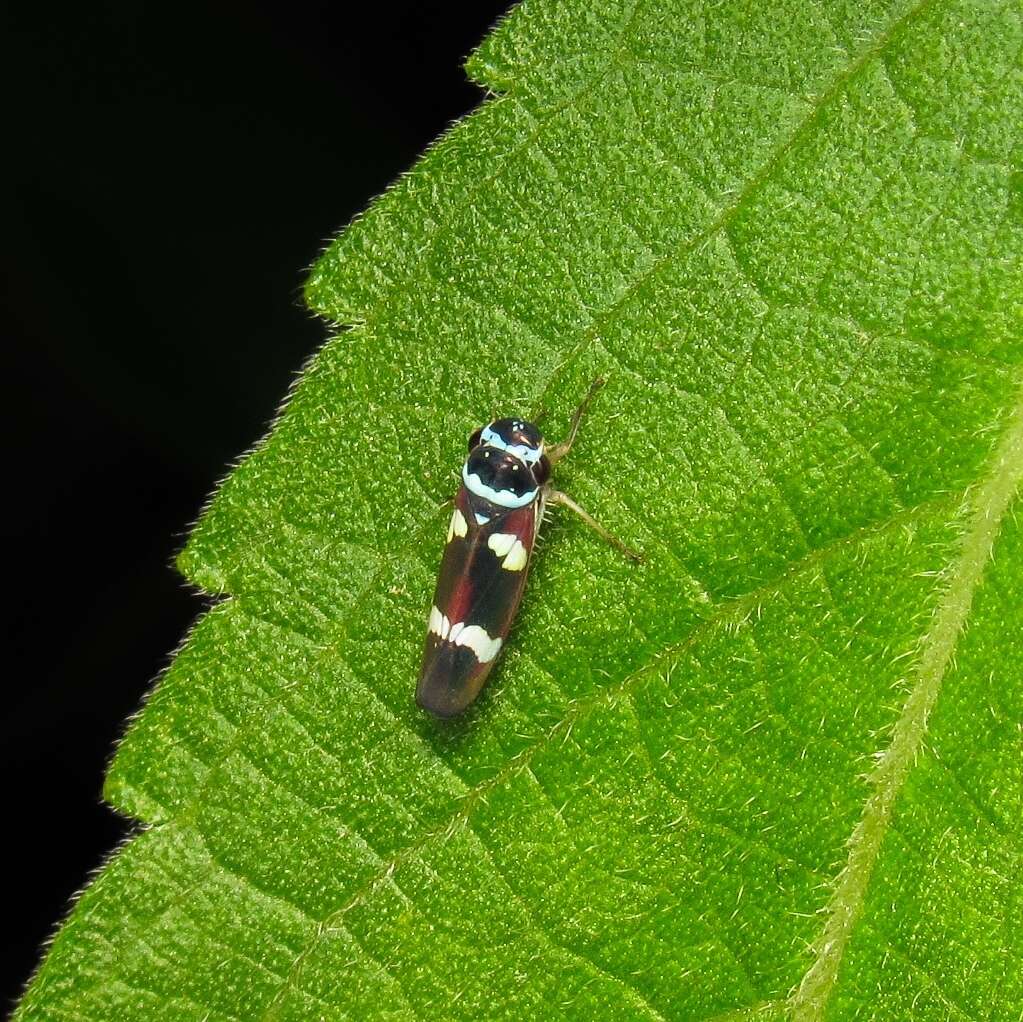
<point x="459" y="526"/>
<point x="509" y="547"/>
<point x="477" y="639"/>
<point x="474" y="637"/>
<point x="517" y="557"/>
<point x="501" y="542"/>
<point x="439" y="624"/>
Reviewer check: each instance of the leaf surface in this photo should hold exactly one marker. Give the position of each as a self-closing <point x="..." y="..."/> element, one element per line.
<point x="774" y="772"/>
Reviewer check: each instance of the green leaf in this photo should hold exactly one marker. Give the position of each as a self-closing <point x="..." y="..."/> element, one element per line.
<point x="774" y="772"/>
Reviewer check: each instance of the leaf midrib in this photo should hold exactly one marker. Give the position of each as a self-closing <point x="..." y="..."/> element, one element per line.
<point x="991" y="500"/>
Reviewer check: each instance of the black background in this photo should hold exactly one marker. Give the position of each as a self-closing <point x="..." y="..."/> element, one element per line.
<point x="175" y="170"/>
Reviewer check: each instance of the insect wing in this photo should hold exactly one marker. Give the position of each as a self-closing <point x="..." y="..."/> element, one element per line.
<point x="479" y="588"/>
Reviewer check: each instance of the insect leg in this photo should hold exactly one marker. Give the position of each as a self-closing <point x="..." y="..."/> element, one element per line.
<point x="557" y="497"/>
<point x="557" y="451"/>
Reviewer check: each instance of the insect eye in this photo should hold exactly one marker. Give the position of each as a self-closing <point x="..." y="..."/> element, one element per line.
<point x="475" y="438"/>
<point x="542" y="470"/>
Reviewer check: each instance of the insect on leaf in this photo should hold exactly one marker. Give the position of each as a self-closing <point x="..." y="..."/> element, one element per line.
<point x="775" y="771"/>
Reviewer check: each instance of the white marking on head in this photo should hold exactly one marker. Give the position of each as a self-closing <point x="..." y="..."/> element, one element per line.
<point x="477" y="639"/>
<point x="504" y="498"/>
<point x="481" y="519"/>
<point x="459" y="526"/>
<point x="530" y="455"/>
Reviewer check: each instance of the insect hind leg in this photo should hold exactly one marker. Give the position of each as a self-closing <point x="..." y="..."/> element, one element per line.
<point x="557" y="497"/>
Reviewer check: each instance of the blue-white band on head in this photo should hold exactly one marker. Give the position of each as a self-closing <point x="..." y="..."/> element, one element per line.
<point x="504" y="498"/>
<point x="530" y="455"/>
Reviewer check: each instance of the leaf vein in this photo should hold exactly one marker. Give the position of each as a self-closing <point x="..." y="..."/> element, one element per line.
<point x="989" y="505"/>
